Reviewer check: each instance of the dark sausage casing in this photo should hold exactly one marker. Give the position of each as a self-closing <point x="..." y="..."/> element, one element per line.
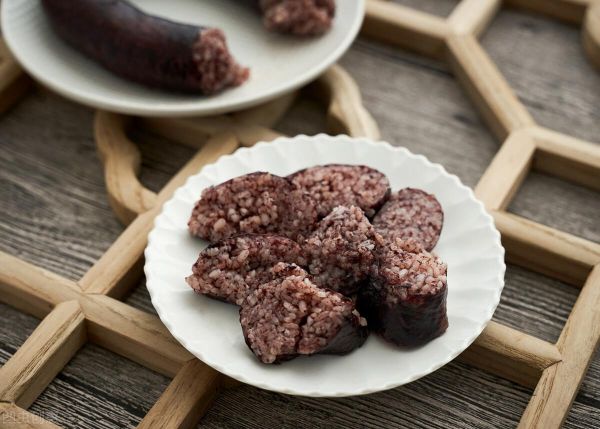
<point x="146" y="49"/>
<point x="405" y="300"/>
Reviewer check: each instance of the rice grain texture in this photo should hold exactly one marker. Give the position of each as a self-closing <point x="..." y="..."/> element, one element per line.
<point x="256" y="203"/>
<point x="411" y="213"/>
<point x="291" y="316"/>
<point x="341" y="251"/>
<point x="344" y="185"/>
<point x="228" y="270"/>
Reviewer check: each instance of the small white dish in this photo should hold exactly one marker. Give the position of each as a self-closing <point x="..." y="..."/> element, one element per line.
<point x="209" y="329"/>
<point x="278" y="63"/>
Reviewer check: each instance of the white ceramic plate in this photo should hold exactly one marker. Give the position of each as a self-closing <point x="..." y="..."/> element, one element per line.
<point x="209" y="329"/>
<point x="278" y="63"/>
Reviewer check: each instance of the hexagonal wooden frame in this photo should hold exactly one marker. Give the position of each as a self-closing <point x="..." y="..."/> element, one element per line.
<point x="90" y="310"/>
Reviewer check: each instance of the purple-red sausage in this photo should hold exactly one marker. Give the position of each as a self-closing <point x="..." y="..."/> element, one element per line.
<point x="405" y="300"/>
<point x="146" y="49"/>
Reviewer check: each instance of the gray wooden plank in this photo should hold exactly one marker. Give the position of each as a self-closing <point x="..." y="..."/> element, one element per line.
<point x="559" y="204"/>
<point x="589" y="393"/>
<point x="157" y="169"/>
<point x="583" y="415"/>
<point x="140" y="298"/>
<point x="15" y="328"/>
<point x="98" y="389"/>
<point x="54" y="210"/>
<point x="420" y="106"/>
<point x="544" y="62"/>
<point x="535" y="304"/>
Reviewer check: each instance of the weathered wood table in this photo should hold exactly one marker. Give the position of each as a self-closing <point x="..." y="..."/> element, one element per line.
<point x="55" y="214"/>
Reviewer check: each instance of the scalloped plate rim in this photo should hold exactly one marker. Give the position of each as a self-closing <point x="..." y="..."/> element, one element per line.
<point x="324" y="139"/>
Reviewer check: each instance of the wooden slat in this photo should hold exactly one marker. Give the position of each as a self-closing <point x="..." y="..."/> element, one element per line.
<point x="473" y="16"/>
<point x="546" y="250"/>
<point x="402" y="26"/>
<point x="486" y="86"/>
<point x="31" y="289"/>
<point x="14" y="83"/>
<point x="571" y="11"/>
<point x="559" y="384"/>
<point x="14" y="417"/>
<point x="35" y="364"/>
<point x="122" y="162"/>
<point x="567" y="157"/>
<point x="591" y="34"/>
<point x="115" y="272"/>
<point x="506" y="173"/>
<point x="187" y="398"/>
<point x="134" y="334"/>
<point x="511" y="354"/>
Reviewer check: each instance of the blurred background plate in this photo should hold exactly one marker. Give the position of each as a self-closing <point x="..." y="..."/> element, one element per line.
<point x="278" y="63"/>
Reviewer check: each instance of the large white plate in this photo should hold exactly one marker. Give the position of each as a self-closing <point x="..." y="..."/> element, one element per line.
<point x="209" y="329"/>
<point x="278" y="63"/>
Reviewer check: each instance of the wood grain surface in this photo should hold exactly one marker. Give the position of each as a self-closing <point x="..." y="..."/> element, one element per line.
<point x="54" y="213"/>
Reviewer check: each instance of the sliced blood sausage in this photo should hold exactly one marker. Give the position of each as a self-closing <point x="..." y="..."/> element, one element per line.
<point x="405" y="300"/>
<point x="411" y="213"/>
<point x="344" y="185"/>
<point x="298" y="17"/>
<point x="341" y="251"/>
<point x="146" y="49"/>
<point x="291" y="316"/>
<point x="257" y="203"/>
<point x="229" y="269"/>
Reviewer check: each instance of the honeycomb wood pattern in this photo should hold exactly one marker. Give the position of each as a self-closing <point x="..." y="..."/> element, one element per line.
<point x="74" y="313"/>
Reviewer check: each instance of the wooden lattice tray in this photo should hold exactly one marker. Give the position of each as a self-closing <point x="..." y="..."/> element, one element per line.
<point x="90" y="309"/>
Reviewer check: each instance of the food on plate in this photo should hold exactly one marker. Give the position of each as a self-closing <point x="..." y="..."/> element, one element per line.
<point x="298" y="17"/>
<point x="259" y="203"/>
<point x="405" y="300"/>
<point x="229" y="269"/>
<point x="344" y="185"/>
<point x="299" y="280"/>
<point x="146" y="49"/>
<point x="169" y="55"/>
<point x="411" y="213"/>
<point x="341" y="251"/>
<point x="291" y="316"/>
